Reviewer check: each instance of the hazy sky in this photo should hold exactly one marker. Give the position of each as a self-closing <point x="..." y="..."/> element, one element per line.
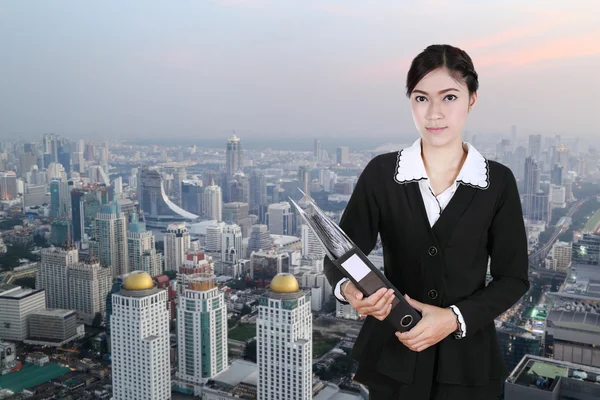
<point x="264" y="68"/>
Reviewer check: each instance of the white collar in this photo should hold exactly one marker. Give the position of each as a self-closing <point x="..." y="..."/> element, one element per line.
<point x="410" y="167"/>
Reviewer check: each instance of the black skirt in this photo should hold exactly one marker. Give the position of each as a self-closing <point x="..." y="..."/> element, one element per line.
<point x="425" y="387"/>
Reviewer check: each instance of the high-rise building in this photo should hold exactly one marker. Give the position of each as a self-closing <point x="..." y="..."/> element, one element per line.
<point x="586" y="250"/>
<point x="213" y="202"/>
<point x="60" y="202"/>
<point x="159" y="210"/>
<point x="260" y="239"/>
<point x="196" y="263"/>
<point x="141" y="249"/>
<point x="55" y="325"/>
<point x="258" y="190"/>
<point x="539" y="378"/>
<point x="202" y="331"/>
<point x="561" y="256"/>
<point x="177" y="243"/>
<point x="110" y="238"/>
<point x="535" y="146"/>
<point x="516" y="342"/>
<point x="78" y="215"/>
<point x="89" y="284"/>
<point x="141" y="367"/>
<point x="284" y="354"/>
<point x="233" y="156"/>
<point x="265" y="265"/>
<point x="231" y="244"/>
<point x="311" y="246"/>
<point x="17" y="304"/>
<point x="53" y="274"/>
<point x="556" y="176"/>
<point x="27" y="161"/>
<point x="281" y="219"/>
<point x="318" y="151"/>
<point x="342" y="154"/>
<point x="303" y="182"/>
<point x="192" y="196"/>
<point x="60" y="232"/>
<point x="8" y="185"/>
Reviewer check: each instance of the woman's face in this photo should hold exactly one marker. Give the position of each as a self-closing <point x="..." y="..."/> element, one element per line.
<point x="440" y="106"/>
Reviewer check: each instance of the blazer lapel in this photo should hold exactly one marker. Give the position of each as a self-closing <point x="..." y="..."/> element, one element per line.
<point x="455" y="209"/>
<point x="419" y="215"/>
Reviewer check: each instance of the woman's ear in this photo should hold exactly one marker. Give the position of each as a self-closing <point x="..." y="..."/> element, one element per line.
<point x="472" y="101"/>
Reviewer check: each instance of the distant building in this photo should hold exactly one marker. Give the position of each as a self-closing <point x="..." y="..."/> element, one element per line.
<point x="177" y="243"/>
<point x="54" y="327"/>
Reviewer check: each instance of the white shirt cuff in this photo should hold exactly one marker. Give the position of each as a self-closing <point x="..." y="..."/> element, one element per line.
<point x="337" y="292"/>
<point x="462" y="326"/>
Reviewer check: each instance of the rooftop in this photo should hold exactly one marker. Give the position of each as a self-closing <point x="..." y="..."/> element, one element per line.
<point x="54" y="312"/>
<point x="544" y="374"/>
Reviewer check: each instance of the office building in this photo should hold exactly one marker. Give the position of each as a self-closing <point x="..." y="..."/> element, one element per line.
<point x="213" y="202"/>
<point x="233" y="156"/>
<point x="17" y="304"/>
<point x="177" y="243"/>
<point x="260" y="239"/>
<point x="192" y="196"/>
<point x="342" y="155"/>
<point x="202" y="332"/>
<point x="141" y="249"/>
<point x="53" y="274"/>
<point x="53" y="326"/>
<point x="214" y="234"/>
<point x="8" y="185"/>
<point x="284" y="354"/>
<point x="281" y="219"/>
<point x="231" y="244"/>
<point x="89" y="284"/>
<point x="258" y="190"/>
<point x="60" y="202"/>
<point x="109" y="244"/>
<point x="264" y="265"/>
<point x="516" y="342"/>
<point x="586" y="250"/>
<point x="561" y="255"/>
<point x="318" y="151"/>
<point x="141" y="367"/>
<point x="538" y="378"/>
<point x="535" y="147"/>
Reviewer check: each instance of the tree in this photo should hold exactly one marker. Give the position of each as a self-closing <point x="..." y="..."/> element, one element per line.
<point x="171" y="274"/>
<point x="251" y="350"/>
<point x="97" y="320"/>
<point x="246" y="309"/>
<point x="26" y="282"/>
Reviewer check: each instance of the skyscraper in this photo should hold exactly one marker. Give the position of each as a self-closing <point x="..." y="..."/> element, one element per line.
<point x="89" y="284"/>
<point x="8" y="185"/>
<point x="280" y="219"/>
<point x="284" y="354"/>
<point x="342" y="155"/>
<point x="231" y="244"/>
<point x="141" y="368"/>
<point x="141" y="249"/>
<point x="53" y="275"/>
<point x="258" y="190"/>
<point x="318" y="152"/>
<point x="202" y="331"/>
<point x="110" y="239"/>
<point x="60" y="204"/>
<point x="177" y="243"/>
<point x="213" y="202"/>
<point x="535" y="146"/>
<point x="233" y="156"/>
<point x="78" y="215"/>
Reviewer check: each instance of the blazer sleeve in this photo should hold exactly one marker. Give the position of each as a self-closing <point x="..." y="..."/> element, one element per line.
<point x="360" y="219"/>
<point x="507" y="247"/>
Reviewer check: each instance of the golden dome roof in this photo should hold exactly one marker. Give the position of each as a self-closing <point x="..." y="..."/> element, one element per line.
<point x="284" y="283"/>
<point x="138" y="280"/>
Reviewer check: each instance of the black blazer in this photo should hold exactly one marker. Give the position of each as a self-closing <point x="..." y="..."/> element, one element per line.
<point x="441" y="265"/>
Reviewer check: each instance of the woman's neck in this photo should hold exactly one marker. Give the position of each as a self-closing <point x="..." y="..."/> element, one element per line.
<point x="443" y="160"/>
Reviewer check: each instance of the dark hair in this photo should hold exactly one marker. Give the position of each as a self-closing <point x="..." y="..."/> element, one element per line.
<point x="436" y="56"/>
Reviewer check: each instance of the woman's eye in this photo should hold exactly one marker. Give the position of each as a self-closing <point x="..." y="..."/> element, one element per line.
<point x="420" y="99"/>
<point x="450" y="97"/>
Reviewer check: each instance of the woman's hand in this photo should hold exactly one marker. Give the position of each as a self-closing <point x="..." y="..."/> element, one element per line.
<point x="436" y="324"/>
<point x="378" y="304"/>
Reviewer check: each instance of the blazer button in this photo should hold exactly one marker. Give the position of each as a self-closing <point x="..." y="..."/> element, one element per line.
<point x="432" y="251"/>
<point x="432" y="294"/>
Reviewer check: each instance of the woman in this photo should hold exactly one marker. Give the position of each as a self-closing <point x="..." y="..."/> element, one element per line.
<point x="442" y="210"/>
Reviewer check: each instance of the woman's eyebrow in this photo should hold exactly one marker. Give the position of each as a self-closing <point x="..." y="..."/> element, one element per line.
<point x="440" y="92"/>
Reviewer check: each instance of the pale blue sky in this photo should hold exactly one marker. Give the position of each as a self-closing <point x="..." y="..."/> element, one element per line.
<point x="266" y="68"/>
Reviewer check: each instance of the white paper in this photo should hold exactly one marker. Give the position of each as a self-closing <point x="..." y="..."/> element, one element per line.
<point x="356" y="267"/>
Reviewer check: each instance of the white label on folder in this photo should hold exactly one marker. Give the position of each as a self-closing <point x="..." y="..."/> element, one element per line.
<point x="356" y="267"/>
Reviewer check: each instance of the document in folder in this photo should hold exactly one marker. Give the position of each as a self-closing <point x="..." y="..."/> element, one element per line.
<point x="353" y="264"/>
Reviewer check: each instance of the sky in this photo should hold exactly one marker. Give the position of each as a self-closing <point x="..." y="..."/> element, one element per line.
<point x="315" y="68"/>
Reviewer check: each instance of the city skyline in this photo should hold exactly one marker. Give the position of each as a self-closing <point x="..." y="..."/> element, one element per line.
<point x="267" y="69"/>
